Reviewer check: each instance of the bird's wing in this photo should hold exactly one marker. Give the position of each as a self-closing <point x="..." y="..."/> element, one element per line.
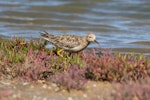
<point x="66" y="41"/>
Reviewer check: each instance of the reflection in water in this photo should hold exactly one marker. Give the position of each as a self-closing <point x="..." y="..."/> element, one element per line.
<point x="117" y="23"/>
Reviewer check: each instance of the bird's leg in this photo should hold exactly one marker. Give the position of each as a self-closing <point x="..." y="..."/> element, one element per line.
<point x="59" y="51"/>
<point x="69" y="54"/>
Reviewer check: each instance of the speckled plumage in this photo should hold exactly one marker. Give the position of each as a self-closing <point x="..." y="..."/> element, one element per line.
<point x="70" y="43"/>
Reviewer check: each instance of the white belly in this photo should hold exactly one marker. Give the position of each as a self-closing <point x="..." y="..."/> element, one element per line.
<point x="77" y="48"/>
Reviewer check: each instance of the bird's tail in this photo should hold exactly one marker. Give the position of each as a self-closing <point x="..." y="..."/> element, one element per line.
<point x="46" y="35"/>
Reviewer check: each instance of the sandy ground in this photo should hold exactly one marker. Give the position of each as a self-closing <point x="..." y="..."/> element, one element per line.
<point x="15" y="90"/>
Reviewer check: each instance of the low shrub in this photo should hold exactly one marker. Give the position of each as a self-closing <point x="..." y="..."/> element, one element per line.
<point x="131" y="90"/>
<point x="32" y="61"/>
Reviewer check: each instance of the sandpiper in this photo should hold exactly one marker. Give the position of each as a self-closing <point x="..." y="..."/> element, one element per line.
<point x="70" y="43"/>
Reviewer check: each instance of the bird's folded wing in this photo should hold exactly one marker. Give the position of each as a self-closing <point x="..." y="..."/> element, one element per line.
<point x="67" y="41"/>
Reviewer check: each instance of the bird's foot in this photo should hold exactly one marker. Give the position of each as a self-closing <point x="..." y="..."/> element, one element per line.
<point x="59" y="52"/>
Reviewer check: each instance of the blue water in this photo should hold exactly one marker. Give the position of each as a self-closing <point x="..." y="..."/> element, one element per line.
<point x="116" y="23"/>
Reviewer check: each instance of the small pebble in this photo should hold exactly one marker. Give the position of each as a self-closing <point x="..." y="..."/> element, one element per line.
<point x="25" y="83"/>
<point x="85" y="95"/>
<point x="44" y="86"/>
<point x="34" y="97"/>
<point x="44" y="98"/>
<point x="94" y="85"/>
<point x="16" y="95"/>
<point x="32" y="86"/>
<point x="54" y="85"/>
<point x="49" y="87"/>
<point x="41" y="81"/>
<point x="57" y="89"/>
<point x="70" y="98"/>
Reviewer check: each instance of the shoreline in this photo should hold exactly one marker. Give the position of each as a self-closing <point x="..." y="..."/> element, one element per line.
<point x="144" y="51"/>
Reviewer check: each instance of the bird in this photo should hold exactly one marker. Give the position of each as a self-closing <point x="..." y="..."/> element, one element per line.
<point x="70" y="43"/>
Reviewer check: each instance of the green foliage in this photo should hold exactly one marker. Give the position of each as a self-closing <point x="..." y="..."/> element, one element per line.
<point x="32" y="61"/>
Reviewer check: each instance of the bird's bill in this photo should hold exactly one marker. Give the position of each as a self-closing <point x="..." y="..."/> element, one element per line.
<point x="96" y="42"/>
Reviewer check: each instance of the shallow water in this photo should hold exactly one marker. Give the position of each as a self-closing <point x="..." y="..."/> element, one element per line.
<point x="117" y="23"/>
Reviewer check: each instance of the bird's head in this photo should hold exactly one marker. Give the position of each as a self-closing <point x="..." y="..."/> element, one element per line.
<point x="91" y="38"/>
